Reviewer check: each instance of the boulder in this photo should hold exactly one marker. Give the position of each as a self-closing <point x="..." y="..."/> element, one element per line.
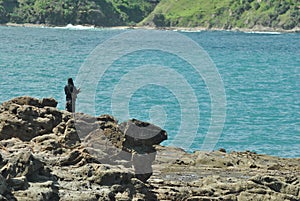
<point x="26" y="100"/>
<point x="140" y="139"/>
<point x="48" y="102"/>
<point x="22" y="164"/>
<point x="71" y="137"/>
<point x="129" y="142"/>
<point x="142" y="133"/>
<point x="25" y="118"/>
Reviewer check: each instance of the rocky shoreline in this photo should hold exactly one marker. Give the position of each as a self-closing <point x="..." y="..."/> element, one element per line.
<point x="184" y="29"/>
<point x="49" y="154"/>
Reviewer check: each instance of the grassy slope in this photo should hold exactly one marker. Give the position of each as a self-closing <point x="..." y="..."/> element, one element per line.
<point x="226" y="13"/>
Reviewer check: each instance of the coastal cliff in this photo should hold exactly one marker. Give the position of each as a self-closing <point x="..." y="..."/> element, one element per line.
<point x="49" y="154"/>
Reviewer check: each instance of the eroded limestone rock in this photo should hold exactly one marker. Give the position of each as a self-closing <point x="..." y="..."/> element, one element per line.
<point x="48" y="154"/>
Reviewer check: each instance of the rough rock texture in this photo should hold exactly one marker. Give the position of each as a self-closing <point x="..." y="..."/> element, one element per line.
<point x="235" y="176"/>
<point x="48" y="154"/>
<point x="26" y="118"/>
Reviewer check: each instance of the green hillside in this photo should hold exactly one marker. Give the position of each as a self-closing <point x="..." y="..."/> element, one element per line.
<point x="223" y="14"/>
<point x="226" y="14"/>
<point x="62" y="12"/>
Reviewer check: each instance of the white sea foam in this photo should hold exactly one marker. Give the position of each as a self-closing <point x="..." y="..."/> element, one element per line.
<point x="77" y="27"/>
<point x="189" y="31"/>
<point x="264" y="32"/>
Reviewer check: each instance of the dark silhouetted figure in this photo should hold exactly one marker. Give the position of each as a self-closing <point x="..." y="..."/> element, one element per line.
<point x="71" y="95"/>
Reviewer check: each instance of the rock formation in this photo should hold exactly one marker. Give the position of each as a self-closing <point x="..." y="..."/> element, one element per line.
<point x="139" y="139"/>
<point x="48" y="154"/>
<point x="235" y="176"/>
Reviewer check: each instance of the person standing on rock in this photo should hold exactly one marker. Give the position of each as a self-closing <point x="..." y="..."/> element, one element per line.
<point x="71" y="94"/>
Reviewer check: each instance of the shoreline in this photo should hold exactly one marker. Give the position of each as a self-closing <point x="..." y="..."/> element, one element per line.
<point x="257" y="29"/>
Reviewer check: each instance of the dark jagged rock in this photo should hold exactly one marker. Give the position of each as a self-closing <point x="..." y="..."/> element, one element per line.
<point x="131" y="141"/>
<point x="140" y="137"/>
<point x="140" y="133"/>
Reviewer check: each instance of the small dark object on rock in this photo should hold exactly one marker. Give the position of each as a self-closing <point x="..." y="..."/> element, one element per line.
<point x="253" y="165"/>
<point x="50" y="102"/>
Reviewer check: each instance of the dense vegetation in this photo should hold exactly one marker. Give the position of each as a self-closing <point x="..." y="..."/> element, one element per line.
<point x="62" y="12"/>
<point x="225" y="14"/>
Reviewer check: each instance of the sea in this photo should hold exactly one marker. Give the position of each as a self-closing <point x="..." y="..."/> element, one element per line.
<point x="208" y="89"/>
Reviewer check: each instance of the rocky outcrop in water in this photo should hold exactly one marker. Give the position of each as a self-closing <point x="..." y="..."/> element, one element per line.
<point x="48" y="154"/>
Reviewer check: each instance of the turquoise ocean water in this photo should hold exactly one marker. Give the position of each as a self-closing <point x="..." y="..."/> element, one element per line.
<point x="260" y="72"/>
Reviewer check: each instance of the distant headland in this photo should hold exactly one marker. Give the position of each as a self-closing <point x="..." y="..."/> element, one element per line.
<point x="244" y="15"/>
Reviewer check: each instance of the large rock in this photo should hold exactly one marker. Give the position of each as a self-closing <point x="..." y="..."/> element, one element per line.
<point x="26" y="176"/>
<point x="26" y="118"/>
<point x="140" y="133"/>
<point x="26" y="100"/>
<point x="140" y="138"/>
<point x="130" y="141"/>
<point x="22" y="164"/>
